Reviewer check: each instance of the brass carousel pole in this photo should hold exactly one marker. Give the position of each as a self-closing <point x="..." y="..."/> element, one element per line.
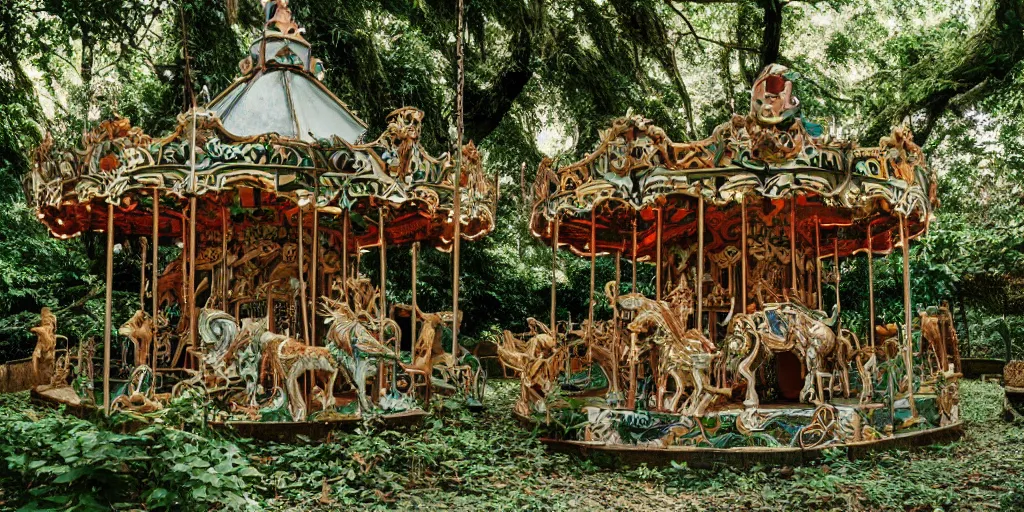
<point x="656" y="350"/>
<point x="344" y="255"/>
<point x="156" y="265"/>
<point x="302" y="281"/>
<point x="792" y="242"/>
<point x="871" y="288"/>
<point x="835" y="265"/>
<point x="631" y="399"/>
<point x="415" y="307"/>
<point x="313" y="270"/>
<point x="908" y="355"/>
<point x="383" y="291"/>
<point x="743" y="250"/>
<point x="700" y="263"/>
<point x="224" y="257"/>
<point x="633" y="359"/>
<point x="554" y="270"/>
<point x="107" y="308"/>
<point x="657" y="257"/>
<point x="817" y="260"/>
<point x="634" y="254"/>
<point x="142" y="273"/>
<point x="457" y="201"/>
<point x="593" y="264"/>
<point x="192" y="320"/>
<point x="615" y="319"/>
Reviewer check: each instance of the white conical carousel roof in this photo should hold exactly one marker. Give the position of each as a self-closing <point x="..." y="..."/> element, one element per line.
<point x="280" y="90"/>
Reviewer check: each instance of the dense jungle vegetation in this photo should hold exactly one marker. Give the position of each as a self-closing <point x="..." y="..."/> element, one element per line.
<point x="542" y="78"/>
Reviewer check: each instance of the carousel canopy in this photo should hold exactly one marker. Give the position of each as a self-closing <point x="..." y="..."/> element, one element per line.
<point x="778" y="165"/>
<point x="283" y="139"/>
<point x="280" y="90"/>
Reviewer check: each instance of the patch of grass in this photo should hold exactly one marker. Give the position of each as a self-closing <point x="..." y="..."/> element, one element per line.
<point x="465" y="461"/>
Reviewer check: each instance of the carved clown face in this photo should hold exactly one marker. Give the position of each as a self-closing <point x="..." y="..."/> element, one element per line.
<point x="772" y="100"/>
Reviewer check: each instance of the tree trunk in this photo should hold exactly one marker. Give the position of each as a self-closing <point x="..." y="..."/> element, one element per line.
<point x="771" y="37"/>
<point x="967" y="324"/>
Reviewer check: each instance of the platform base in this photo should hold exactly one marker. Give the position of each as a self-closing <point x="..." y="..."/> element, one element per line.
<point x="744" y="457"/>
<point x="283" y="432"/>
<point x="314" y="431"/>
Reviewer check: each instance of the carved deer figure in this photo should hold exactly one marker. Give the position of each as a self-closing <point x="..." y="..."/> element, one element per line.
<point x="290" y="359"/>
<point x="685" y="357"/>
<point x="939" y="336"/>
<point x="351" y="341"/>
<point x="43" y="356"/>
<point x="538" y="361"/>
<point x="141" y="331"/>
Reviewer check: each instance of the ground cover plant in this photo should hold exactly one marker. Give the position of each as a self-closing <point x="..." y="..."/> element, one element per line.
<point x="460" y="460"/>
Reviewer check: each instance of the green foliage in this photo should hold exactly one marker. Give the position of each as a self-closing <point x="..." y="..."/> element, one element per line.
<point x="53" y="461"/>
<point x="476" y="462"/>
<point x="540" y="78"/>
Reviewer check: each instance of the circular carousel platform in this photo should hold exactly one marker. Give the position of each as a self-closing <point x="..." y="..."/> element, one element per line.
<point x="776" y="434"/>
<point x="276" y="431"/>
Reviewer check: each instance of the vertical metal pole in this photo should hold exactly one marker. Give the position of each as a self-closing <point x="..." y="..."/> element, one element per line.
<point x="908" y="355"/>
<point x="817" y="260"/>
<point x="302" y="281"/>
<point x="615" y="318"/>
<point x="634" y="254"/>
<point x="415" y="306"/>
<point x="700" y="263"/>
<point x="792" y="241"/>
<point x="835" y="265"/>
<point x="743" y="250"/>
<point x="314" y="263"/>
<point x="344" y="255"/>
<point x="655" y="353"/>
<point x="871" y="287"/>
<point x="224" y="257"/>
<point x="142" y="274"/>
<point x="554" y="270"/>
<point x="382" y="240"/>
<point x="384" y="291"/>
<point x="156" y="268"/>
<point x="192" y="320"/>
<point x="593" y="264"/>
<point x="460" y="129"/>
<point x="657" y="257"/>
<point x="107" y="327"/>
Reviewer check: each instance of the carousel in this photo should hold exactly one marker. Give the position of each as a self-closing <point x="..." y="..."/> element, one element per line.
<point x="252" y="220"/>
<point x="739" y="351"/>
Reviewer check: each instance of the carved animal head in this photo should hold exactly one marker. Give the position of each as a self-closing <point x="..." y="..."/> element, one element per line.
<point x="139" y="328"/>
<point x="740" y="333"/>
<point x="251" y="329"/>
<point x="289" y="253"/>
<point x="135" y="326"/>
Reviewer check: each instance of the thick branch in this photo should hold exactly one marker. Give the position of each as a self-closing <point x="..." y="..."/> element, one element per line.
<point x="641" y="23"/>
<point x="488" y="106"/>
<point x="941" y="79"/>
<point x="699" y="38"/>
